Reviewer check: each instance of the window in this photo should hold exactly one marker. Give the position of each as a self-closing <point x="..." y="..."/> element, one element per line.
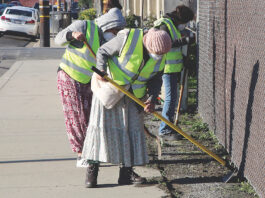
<point x="19" y="12"/>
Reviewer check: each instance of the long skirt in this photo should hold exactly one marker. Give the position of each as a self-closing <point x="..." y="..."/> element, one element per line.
<point x="116" y="135"/>
<point x="76" y="99"/>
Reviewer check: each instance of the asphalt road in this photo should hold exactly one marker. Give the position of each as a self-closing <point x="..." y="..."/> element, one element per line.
<point x="14" y="41"/>
<point x="9" y="55"/>
<point x="7" y="41"/>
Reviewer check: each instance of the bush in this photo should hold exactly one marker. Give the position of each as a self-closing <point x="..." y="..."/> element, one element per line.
<point x="133" y="21"/>
<point x="89" y="14"/>
<point x="149" y="23"/>
<point x="84" y="4"/>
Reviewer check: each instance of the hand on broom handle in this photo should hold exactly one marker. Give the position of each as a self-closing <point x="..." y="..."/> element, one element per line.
<point x="90" y="49"/>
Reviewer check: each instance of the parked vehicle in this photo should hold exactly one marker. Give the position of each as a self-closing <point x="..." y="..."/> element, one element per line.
<point x="20" y="20"/>
<point x="75" y="10"/>
<point x="15" y="3"/>
<point x="3" y="6"/>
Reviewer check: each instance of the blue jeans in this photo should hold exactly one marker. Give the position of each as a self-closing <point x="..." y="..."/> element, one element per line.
<point x="170" y="83"/>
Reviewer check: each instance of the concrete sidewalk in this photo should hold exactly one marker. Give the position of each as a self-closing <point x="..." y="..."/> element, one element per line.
<point x="35" y="156"/>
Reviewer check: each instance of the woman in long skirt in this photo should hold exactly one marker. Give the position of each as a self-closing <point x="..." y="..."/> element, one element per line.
<point x="117" y="135"/>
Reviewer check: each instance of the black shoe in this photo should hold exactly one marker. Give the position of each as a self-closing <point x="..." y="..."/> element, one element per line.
<point x="128" y="176"/>
<point x="91" y="175"/>
<point x="173" y="136"/>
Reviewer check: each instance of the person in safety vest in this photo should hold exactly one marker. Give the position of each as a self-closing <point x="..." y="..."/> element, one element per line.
<point x="173" y="23"/>
<point x="116" y="135"/>
<point x="74" y="73"/>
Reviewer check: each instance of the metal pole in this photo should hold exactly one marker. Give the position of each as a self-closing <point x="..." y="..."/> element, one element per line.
<point x="148" y="8"/>
<point x="59" y="5"/>
<point x="64" y="6"/>
<point x="142" y="12"/>
<point x="53" y="32"/>
<point x="44" y="23"/>
<point x="128" y="11"/>
<point x="157" y="9"/>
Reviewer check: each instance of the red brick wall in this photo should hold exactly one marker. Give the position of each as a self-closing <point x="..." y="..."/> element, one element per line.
<point x="231" y="80"/>
<point x="30" y="3"/>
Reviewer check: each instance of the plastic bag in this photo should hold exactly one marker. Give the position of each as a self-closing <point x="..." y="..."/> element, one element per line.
<point x="107" y="93"/>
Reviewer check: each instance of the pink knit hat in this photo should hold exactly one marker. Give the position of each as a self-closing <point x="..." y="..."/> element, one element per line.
<point x="157" y="41"/>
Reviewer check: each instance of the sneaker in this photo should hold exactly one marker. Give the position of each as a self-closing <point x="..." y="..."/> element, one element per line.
<point x="173" y="136"/>
<point x="81" y="162"/>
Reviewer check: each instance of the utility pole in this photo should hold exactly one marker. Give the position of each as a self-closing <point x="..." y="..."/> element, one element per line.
<point x="59" y="5"/>
<point x="142" y="12"/>
<point x="44" y="23"/>
<point x="65" y="6"/>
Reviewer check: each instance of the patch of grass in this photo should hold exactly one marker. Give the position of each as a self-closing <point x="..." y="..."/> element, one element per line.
<point x="199" y="126"/>
<point x="165" y="144"/>
<point x="246" y="187"/>
<point x="154" y="180"/>
<point x="185" y="119"/>
<point x="155" y="119"/>
<point x="203" y="133"/>
<point x="217" y="146"/>
<point x="192" y="100"/>
<point x="192" y="82"/>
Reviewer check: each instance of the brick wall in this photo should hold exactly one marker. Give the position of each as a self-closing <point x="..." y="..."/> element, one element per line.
<point x="231" y="80"/>
<point x="30" y="3"/>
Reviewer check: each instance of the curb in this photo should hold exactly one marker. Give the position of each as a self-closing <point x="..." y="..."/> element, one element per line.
<point x="8" y="75"/>
<point x="37" y="44"/>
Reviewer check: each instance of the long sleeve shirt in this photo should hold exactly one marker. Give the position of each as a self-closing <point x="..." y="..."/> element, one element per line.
<point x="64" y="37"/>
<point x="114" y="48"/>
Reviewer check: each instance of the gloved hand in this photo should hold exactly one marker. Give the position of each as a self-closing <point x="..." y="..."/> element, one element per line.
<point x="78" y="36"/>
<point x="150" y="107"/>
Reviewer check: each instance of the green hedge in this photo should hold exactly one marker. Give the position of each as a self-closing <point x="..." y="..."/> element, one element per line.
<point x="89" y="14"/>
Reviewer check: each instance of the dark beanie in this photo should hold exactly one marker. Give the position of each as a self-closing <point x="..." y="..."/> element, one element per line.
<point x="184" y="13"/>
<point x="116" y="4"/>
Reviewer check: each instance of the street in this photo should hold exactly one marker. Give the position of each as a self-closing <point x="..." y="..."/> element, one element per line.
<point x="7" y="41"/>
<point x="14" y="41"/>
<point x="9" y="55"/>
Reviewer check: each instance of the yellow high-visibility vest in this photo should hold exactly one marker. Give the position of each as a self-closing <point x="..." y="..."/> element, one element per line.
<point x="128" y="69"/>
<point x="77" y="62"/>
<point x="174" y="59"/>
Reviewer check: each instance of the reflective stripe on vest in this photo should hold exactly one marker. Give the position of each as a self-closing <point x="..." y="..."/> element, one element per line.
<point x="174" y="62"/>
<point x="150" y="69"/>
<point x="77" y="62"/>
<point x="126" y="67"/>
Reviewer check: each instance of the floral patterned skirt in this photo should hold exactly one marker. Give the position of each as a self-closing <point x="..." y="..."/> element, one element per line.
<point x="116" y="135"/>
<point x="76" y="99"/>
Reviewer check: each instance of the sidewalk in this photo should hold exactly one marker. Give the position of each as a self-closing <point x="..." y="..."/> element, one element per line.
<point x="35" y="156"/>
